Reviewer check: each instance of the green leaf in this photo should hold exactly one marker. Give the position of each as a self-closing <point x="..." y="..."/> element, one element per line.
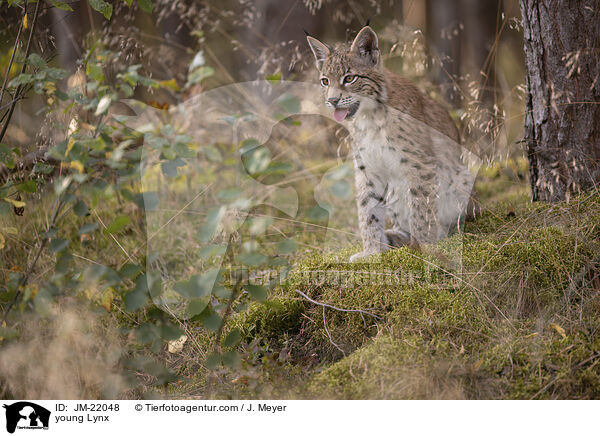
<point x="146" y="5"/>
<point x="341" y="189"/>
<point x="57" y="245"/>
<point x="6" y="156"/>
<point x="149" y="200"/>
<point x="118" y="224"/>
<point x="208" y="229"/>
<point x="197" y="306"/>
<point x="341" y="172"/>
<point x="212" y="153"/>
<point x="257" y="160"/>
<point x="81" y="209"/>
<point x="212" y="250"/>
<point x="36" y="61"/>
<point x="154" y="284"/>
<point x="29" y="186"/>
<point x="87" y="228"/>
<point x="61" y="5"/>
<point x="287" y="247"/>
<point x="128" y="3"/>
<point x="317" y="213"/>
<point x="232" y="359"/>
<point x="259" y="226"/>
<point x="233" y="338"/>
<point x="103" y="7"/>
<point x="147" y="333"/>
<point x="170" y="332"/>
<point x="198" y="286"/>
<point x="253" y="259"/>
<point x="21" y="79"/>
<point x="129" y="270"/>
<point x="289" y="103"/>
<point x="169" y="167"/>
<point x="198" y="74"/>
<point x="213" y="361"/>
<point x="43" y="168"/>
<point x="137" y="298"/>
<point x="212" y="321"/>
<point x="94" y="71"/>
<point x="4" y="208"/>
<point x="103" y="105"/>
<point x="259" y="293"/>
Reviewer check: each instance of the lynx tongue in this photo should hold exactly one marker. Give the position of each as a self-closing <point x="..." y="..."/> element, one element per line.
<point x="340" y="114"/>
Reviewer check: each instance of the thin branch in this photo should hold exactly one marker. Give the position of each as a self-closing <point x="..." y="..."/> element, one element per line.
<point x="12" y="57"/>
<point x="27" y="50"/>
<point x="337" y="308"/>
<point x="329" y="334"/>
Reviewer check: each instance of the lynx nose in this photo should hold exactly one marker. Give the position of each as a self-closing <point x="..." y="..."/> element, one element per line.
<point x="333" y="101"/>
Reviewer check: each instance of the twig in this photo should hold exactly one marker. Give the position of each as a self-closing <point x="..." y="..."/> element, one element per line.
<point x="337" y="308"/>
<point x="27" y="50"/>
<point x="12" y="57"/>
<point x="329" y="334"/>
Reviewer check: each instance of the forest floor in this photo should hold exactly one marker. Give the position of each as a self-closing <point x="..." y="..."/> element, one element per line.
<point x="518" y="320"/>
<point x="507" y="310"/>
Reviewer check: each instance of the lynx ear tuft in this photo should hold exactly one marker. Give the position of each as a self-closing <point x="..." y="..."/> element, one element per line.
<point x="306" y="32"/>
<point x="368" y="22"/>
<point x="366" y="45"/>
<point x="320" y="50"/>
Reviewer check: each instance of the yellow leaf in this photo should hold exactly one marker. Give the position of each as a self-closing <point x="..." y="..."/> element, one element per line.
<point x="532" y="335"/>
<point x="559" y="329"/>
<point x="15" y="203"/>
<point x="10" y="230"/>
<point x="107" y="299"/>
<point x="70" y="145"/>
<point x="77" y="165"/>
<point x="172" y="84"/>
<point x="1" y="241"/>
<point x="33" y="290"/>
<point x="176" y="345"/>
<point x="25" y="21"/>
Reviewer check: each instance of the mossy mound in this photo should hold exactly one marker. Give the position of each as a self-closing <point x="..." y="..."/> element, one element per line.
<point x="509" y="309"/>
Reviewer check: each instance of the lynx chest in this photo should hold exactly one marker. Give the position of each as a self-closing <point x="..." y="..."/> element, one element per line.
<point x="378" y="148"/>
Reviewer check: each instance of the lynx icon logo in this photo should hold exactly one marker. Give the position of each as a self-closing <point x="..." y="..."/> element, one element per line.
<point x="26" y="415"/>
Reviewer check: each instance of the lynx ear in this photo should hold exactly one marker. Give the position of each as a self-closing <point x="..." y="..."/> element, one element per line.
<point x="366" y="45"/>
<point x="320" y="50"/>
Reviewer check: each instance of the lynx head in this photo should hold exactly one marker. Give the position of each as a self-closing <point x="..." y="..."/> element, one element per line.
<point x="351" y="75"/>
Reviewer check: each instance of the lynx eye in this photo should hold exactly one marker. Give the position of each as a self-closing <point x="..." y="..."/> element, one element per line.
<point x="324" y="81"/>
<point x="350" y="79"/>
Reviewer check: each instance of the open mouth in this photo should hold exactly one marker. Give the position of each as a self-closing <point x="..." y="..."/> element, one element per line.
<point x="344" y="113"/>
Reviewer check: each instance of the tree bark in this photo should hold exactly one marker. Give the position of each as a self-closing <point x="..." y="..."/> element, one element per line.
<point x="562" y="119"/>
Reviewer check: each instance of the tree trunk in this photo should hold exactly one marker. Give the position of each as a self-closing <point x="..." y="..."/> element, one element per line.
<point x="562" y="118"/>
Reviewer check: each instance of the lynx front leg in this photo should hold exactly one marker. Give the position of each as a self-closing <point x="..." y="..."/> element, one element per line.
<point x="371" y="213"/>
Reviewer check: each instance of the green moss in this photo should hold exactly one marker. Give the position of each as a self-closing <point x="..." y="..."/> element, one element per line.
<point x="271" y="320"/>
<point x="390" y="368"/>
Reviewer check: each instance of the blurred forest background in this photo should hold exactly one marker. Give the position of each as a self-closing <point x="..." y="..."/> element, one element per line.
<point x="122" y="279"/>
<point x="469" y="51"/>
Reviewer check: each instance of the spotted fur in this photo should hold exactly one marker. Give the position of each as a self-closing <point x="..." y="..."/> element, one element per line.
<point x="406" y="150"/>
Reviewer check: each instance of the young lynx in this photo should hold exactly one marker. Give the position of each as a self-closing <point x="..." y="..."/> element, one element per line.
<point x="405" y="147"/>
